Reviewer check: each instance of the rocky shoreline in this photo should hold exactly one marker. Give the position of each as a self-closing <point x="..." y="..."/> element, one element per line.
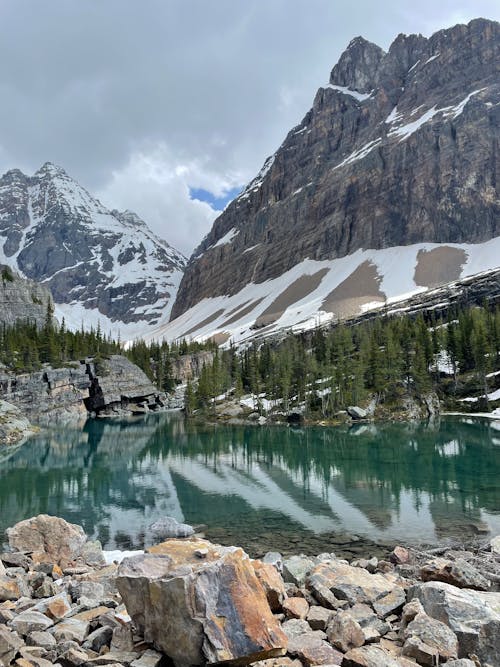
<point x="187" y="601"/>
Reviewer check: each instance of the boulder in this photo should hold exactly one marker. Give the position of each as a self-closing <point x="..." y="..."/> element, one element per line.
<point x="48" y="538"/>
<point x="31" y="621"/>
<point x="374" y="656"/>
<point x="296" y="608"/>
<point x="168" y="527"/>
<point x="355" y="412"/>
<point x="311" y="650"/>
<point x="10" y="643"/>
<point x="429" y="640"/>
<point x="272" y="583"/>
<point x="200" y="611"/>
<point x="344" y="632"/>
<point x="495" y="544"/>
<point x="318" y="617"/>
<point x="399" y="556"/>
<point x="455" y="572"/>
<point x="472" y="615"/>
<point x="296" y="569"/>
<point x="353" y="584"/>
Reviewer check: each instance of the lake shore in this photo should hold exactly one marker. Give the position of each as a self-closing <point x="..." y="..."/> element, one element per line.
<point x="64" y="601"/>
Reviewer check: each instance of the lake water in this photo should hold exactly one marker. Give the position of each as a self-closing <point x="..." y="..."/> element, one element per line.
<point x="296" y="490"/>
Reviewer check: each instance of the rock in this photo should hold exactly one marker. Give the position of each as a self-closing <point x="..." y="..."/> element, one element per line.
<point x="10" y="643"/>
<point x="274" y="558"/>
<point x="295" y="627"/>
<point x="99" y="638"/>
<point x="72" y="629"/>
<point x="495" y="544"/>
<point x="55" y="607"/>
<point x="390" y="603"/>
<point x="178" y="602"/>
<point x="356" y="412"/>
<point x="122" y="639"/>
<point x="92" y="554"/>
<point x="296" y="569"/>
<point x="428" y="640"/>
<point x="350" y="583"/>
<point x="374" y="656"/>
<point x="15" y="559"/>
<point x="73" y="656"/>
<point x="314" y="651"/>
<point x="370" y="623"/>
<point x="318" y="617"/>
<point x="40" y="638"/>
<point x="168" y="527"/>
<point x="31" y="621"/>
<point x="399" y="556"/>
<point x="50" y="537"/>
<point x="149" y="658"/>
<point x="15" y="428"/>
<point x="11" y="588"/>
<point x="272" y="583"/>
<point x="461" y="662"/>
<point x="472" y="615"/>
<point x="295" y="608"/>
<point x="457" y="573"/>
<point x="31" y="660"/>
<point x="344" y="632"/>
<point x="410" y="610"/>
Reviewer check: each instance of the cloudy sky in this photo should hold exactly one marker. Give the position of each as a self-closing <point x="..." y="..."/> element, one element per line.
<point x="168" y="107"/>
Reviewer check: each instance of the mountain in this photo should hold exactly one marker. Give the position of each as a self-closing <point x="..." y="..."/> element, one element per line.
<point x="100" y="265"/>
<point x="388" y="187"/>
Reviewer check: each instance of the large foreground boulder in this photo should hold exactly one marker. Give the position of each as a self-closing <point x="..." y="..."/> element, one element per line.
<point x="200" y="603"/>
<point x="48" y="538"/>
<point x="473" y="616"/>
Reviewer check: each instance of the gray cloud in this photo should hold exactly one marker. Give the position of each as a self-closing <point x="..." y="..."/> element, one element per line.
<point x="141" y="100"/>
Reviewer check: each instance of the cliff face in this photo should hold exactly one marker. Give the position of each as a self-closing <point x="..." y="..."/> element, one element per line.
<point x="100" y="265"/>
<point x="399" y="148"/>
<point x="21" y="299"/>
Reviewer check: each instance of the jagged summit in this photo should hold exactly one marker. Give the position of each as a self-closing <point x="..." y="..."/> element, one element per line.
<point x="399" y="150"/>
<point x="100" y="265"/>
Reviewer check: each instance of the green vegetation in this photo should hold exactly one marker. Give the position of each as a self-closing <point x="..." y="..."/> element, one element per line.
<point x="386" y="359"/>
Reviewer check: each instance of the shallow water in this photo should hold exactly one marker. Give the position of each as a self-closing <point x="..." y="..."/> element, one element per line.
<point x="310" y="490"/>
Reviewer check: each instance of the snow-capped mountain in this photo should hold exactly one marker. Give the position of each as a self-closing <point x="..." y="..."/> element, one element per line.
<point x="100" y="265"/>
<point x="388" y="187"/>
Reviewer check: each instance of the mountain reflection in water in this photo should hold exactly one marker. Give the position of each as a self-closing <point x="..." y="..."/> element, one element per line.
<point x="259" y="486"/>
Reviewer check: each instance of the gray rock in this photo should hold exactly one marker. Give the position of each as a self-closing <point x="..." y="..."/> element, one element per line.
<point x="318" y="617"/>
<point x="168" y="527"/>
<point x="344" y="632"/>
<point x="92" y="554"/>
<point x="427" y="640"/>
<point x="10" y="643"/>
<point x="274" y="558"/>
<point x="71" y="629"/>
<point x="15" y="428"/>
<point x="296" y="569"/>
<point x="495" y="544"/>
<point x="99" y="638"/>
<point x="149" y="658"/>
<point x="390" y="603"/>
<point x="41" y="638"/>
<point x="374" y="656"/>
<point x="455" y="572"/>
<point x="356" y="412"/>
<point x="353" y="584"/>
<point x="31" y="621"/>
<point x="472" y="615"/>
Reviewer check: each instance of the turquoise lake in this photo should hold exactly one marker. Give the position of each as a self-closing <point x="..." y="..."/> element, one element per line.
<point x="296" y="490"/>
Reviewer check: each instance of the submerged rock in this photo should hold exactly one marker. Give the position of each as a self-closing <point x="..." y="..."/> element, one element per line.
<point x="200" y="611"/>
<point x="168" y="527"/>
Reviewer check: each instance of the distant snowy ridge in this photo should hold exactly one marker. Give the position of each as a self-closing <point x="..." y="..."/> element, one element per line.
<point x="103" y="267"/>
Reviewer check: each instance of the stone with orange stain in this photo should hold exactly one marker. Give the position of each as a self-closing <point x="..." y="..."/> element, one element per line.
<point x="200" y="611"/>
<point x="272" y="583"/>
<point x="296" y="608"/>
<point x="55" y="607"/>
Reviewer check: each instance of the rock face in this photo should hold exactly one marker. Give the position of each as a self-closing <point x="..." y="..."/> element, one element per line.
<point x="14" y="427"/>
<point x="100" y="265"/>
<point x="115" y="387"/>
<point x="21" y="299"/>
<point x="398" y="149"/>
<point x="200" y="610"/>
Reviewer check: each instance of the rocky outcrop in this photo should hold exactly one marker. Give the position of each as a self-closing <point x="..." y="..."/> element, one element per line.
<point x="21" y="299"/>
<point x="200" y="604"/>
<point x="110" y="387"/>
<point x="102" y="265"/>
<point x="189" y="366"/>
<point x="399" y="148"/>
<point x="14" y="427"/>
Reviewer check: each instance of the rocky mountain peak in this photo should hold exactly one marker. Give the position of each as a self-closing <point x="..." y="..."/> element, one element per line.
<point x="358" y="66"/>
